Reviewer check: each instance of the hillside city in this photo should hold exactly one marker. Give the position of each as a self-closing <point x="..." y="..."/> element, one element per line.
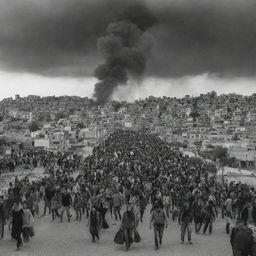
<point x="216" y="127"/>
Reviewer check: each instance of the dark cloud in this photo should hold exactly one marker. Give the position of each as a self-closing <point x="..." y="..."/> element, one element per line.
<point x="195" y="37"/>
<point x="53" y="37"/>
<point x="59" y="37"/>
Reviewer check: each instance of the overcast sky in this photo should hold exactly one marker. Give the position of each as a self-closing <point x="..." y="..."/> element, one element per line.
<point x="50" y="47"/>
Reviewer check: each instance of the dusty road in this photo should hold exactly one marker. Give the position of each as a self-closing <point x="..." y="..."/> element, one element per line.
<point x="65" y="239"/>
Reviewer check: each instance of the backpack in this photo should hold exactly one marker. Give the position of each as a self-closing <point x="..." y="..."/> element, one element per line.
<point x="159" y="217"/>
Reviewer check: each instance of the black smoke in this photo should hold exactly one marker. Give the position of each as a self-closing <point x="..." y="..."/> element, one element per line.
<point x="125" y="48"/>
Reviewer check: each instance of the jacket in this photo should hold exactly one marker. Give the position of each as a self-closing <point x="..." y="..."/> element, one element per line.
<point x="245" y="214"/>
<point x="128" y="221"/>
<point x="186" y="215"/>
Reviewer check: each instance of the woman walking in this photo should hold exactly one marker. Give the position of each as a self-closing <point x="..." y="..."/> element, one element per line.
<point x="94" y="223"/>
<point x="16" y="223"/>
<point x="103" y="208"/>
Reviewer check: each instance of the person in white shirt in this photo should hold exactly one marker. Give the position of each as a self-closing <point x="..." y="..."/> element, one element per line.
<point x="167" y="204"/>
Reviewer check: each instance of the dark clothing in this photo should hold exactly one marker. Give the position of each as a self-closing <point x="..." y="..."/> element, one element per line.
<point x="16" y="192"/>
<point x="128" y="233"/>
<point x="186" y="227"/>
<point x="128" y="221"/>
<point x="186" y="215"/>
<point x="128" y="225"/>
<point x="158" y="233"/>
<point x="2" y="212"/>
<point x="17" y="222"/>
<point x="241" y="241"/>
<point x="245" y="214"/>
<point x="208" y="215"/>
<point x="2" y="220"/>
<point x="66" y="200"/>
<point x="94" y="224"/>
<point x="117" y="212"/>
<point x="17" y="219"/>
<point x="49" y="193"/>
<point x="103" y="212"/>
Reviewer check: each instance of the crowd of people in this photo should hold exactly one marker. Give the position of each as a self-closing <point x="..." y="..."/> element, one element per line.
<point x="123" y="176"/>
<point x="30" y="159"/>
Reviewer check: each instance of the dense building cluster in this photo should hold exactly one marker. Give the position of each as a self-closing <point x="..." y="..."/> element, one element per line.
<point x="199" y="124"/>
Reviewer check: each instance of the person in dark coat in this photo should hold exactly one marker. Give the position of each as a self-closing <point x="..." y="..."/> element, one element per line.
<point x="197" y="213"/>
<point x="128" y="226"/>
<point x="248" y="214"/>
<point x="16" y="222"/>
<point x="186" y="217"/>
<point x="241" y="240"/>
<point x="103" y="210"/>
<point x="208" y="216"/>
<point x="94" y="223"/>
<point x="2" y="217"/>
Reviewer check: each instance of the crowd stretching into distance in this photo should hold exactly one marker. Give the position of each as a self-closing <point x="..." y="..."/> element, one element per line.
<point x="125" y="175"/>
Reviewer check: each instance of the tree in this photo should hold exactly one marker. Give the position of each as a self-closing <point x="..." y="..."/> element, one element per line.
<point x="33" y="126"/>
<point x="221" y="154"/>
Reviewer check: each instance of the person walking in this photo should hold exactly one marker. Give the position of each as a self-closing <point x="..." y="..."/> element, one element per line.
<point x="248" y="214"/>
<point x="28" y="222"/>
<point x="49" y="193"/>
<point x="167" y="204"/>
<point x="186" y="222"/>
<point x="128" y="226"/>
<point x="197" y="212"/>
<point x="66" y="201"/>
<point x="241" y="239"/>
<point x="16" y="223"/>
<point x="117" y="204"/>
<point x="208" y="216"/>
<point x="142" y="205"/>
<point x="160" y="220"/>
<point x="103" y="208"/>
<point x="55" y="205"/>
<point x="2" y="217"/>
<point x="228" y="211"/>
<point x="94" y="223"/>
<point x="78" y="205"/>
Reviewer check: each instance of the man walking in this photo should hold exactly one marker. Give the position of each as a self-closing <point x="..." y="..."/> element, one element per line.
<point x="208" y="215"/>
<point x="159" y="219"/>
<point x="117" y="204"/>
<point x="186" y="222"/>
<point x="66" y="201"/>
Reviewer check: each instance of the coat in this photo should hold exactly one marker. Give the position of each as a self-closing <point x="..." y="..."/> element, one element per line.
<point x="94" y="222"/>
<point x="28" y="219"/>
<point x="245" y="214"/>
<point x="241" y="240"/>
<point x="128" y="221"/>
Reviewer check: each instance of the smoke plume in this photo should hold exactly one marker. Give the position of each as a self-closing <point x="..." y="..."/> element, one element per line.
<point x="126" y="49"/>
